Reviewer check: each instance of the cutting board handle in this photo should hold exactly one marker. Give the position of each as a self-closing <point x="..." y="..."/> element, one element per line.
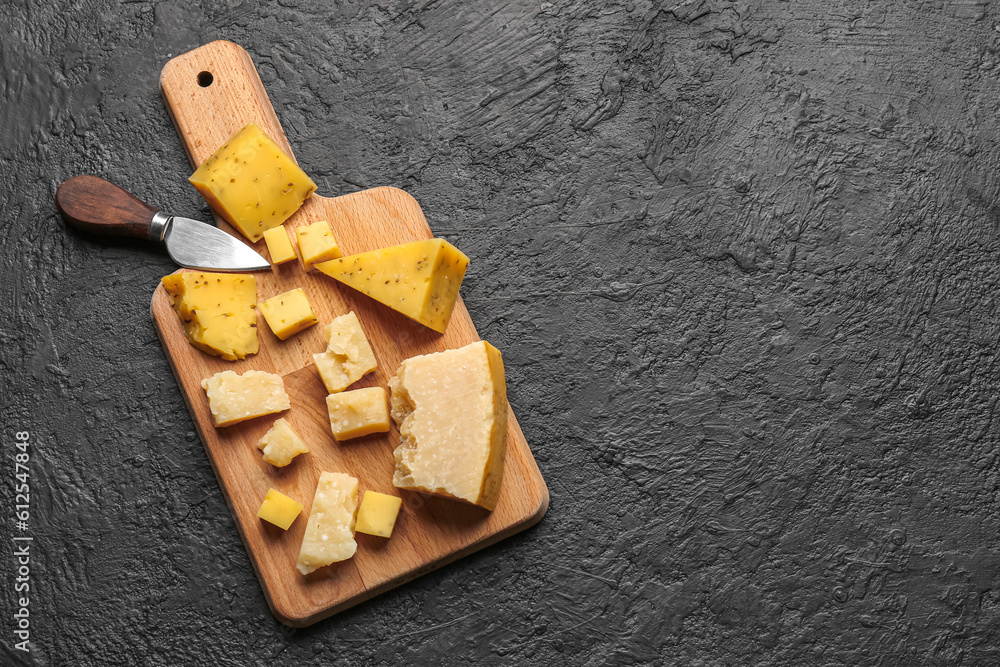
<point x="213" y="92"/>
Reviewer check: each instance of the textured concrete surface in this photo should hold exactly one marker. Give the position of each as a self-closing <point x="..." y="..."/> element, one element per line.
<point x="741" y="259"/>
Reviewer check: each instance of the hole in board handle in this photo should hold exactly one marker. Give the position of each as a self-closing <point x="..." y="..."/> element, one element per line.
<point x="205" y="79"/>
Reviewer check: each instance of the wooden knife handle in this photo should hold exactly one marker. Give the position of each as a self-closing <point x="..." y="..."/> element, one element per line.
<point x="95" y="205"/>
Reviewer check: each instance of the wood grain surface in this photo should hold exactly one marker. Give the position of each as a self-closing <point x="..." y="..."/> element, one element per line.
<point x="430" y="531"/>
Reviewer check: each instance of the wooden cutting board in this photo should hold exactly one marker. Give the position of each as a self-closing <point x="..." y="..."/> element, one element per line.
<point x="211" y="93"/>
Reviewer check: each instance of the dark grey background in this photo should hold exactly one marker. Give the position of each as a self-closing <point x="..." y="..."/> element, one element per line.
<point x="741" y="259"/>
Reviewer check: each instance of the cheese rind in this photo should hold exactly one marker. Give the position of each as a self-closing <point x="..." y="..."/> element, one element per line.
<point x="348" y="354"/>
<point x="329" y="535"/>
<point x="419" y="279"/>
<point x="234" y="398"/>
<point x="281" y="444"/>
<point x="216" y="310"/>
<point x="289" y="313"/>
<point x="279" y="509"/>
<point x="279" y="246"/>
<point x="451" y="409"/>
<point x="252" y="183"/>
<point x="358" y="412"/>
<point x="316" y="244"/>
<point x="377" y="514"/>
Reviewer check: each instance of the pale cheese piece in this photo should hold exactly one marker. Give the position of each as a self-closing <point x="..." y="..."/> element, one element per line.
<point x="234" y="398"/>
<point x="451" y="408"/>
<point x="281" y="444"/>
<point x="348" y="354"/>
<point x="358" y="412"/>
<point x="329" y="535"/>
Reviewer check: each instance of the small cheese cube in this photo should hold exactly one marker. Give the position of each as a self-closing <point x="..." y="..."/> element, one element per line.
<point x="348" y="354"/>
<point x="451" y="408"/>
<point x="279" y="509"/>
<point x="279" y="246"/>
<point x="377" y="514"/>
<point x="288" y="313"/>
<point x="316" y="244"/>
<point x="281" y="444"/>
<point x="418" y="279"/>
<point x="358" y="412"/>
<point x="234" y="398"/>
<point x="252" y="183"/>
<point x="329" y="535"/>
<point x="217" y="311"/>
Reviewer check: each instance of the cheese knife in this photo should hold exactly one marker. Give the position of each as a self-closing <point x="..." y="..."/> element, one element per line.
<point x="95" y="205"/>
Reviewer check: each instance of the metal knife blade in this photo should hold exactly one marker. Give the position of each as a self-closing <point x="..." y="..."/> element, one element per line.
<point x="198" y="245"/>
<point x="94" y="205"/>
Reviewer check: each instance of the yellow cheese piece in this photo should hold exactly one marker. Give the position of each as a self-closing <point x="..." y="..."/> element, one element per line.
<point x="279" y="509"/>
<point x="288" y="313"/>
<point x="217" y="311"/>
<point x="281" y="444"/>
<point x="252" y="183"/>
<point x="234" y="398"/>
<point x="329" y="536"/>
<point x="279" y="246"/>
<point x="377" y="514"/>
<point x="316" y="244"/>
<point x="348" y="354"/>
<point x="451" y="408"/>
<point x="358" y="412"/>
<point x="419" y="279"/>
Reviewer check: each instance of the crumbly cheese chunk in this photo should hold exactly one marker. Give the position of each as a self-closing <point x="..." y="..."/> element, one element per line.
<point x="329" y="535"/>
<point x="281" y="444"/>
<point x="451" y="408"/>
<point x="217" y="311"/>
<point x="358" y="412"/>
<point x="348" y="354"/>
<point x="234" y="398"/>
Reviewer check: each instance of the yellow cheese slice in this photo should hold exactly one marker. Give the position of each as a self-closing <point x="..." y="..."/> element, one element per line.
<point x="288" y="313"/>
<point x="234" y="398"/>
<point x="329" y="535"/>
<point x="451" y="408"/>
<point x="279" y="509"/>
<point x="217" y="311"/>
<point x="279" y="246"/>
<point x="419" y="279"/>
<point x="252" y="183"/>
<point x="377" y="514"/>
<point x="316" y="244"/>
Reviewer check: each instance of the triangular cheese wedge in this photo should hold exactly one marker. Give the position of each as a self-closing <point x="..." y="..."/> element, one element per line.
<point x="418" y="279"/>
